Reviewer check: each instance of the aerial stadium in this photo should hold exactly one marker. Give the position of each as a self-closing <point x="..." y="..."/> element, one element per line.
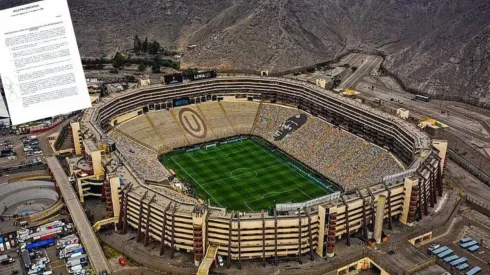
<point x="262" y="168"/>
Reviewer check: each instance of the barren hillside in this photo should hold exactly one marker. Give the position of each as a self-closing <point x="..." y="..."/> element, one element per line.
<point x="436" y="46"/>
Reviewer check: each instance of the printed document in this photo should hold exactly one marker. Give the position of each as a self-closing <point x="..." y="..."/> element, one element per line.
<point x="40" y="65"/>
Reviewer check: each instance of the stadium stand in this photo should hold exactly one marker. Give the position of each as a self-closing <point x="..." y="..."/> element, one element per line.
<point x="144" y="161"/>
<point x="165" y="124"/>
<point x="241" y="115"/>
<point x="140" y="129"/>
<point x="216" y="119"/>
<point x="338" y="154"/>
<point x="208" y="135"/>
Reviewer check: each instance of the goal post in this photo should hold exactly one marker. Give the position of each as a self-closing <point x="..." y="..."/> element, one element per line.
<point x="210" y="146"/>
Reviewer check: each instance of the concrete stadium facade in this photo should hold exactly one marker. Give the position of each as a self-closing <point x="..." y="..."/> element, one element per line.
<point x="187" y="226"/>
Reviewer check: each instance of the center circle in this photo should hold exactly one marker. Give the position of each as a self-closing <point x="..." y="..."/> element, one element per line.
<point x="243" y="174"/>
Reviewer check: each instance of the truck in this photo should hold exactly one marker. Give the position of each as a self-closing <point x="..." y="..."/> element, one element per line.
<point x="39" y="244"/>
<point x="6" y="259"/>
<point x="36" y="269"/>
<point x="51" y="225"/>
<point x="73" y="262"/>
<point x="465" y="240"/>
<point x="75" y="269"/>
<point x="75" y="256"/>
<point x="468" y="244"/>
<point x="69" y="250"/>
<point x="46" y="234"/>
<point x="26" y="258"/>
<point x="22" y="235"/>
<point x="63" y="242"/>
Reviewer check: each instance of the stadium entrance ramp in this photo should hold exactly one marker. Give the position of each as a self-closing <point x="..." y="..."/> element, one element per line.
<point x="208" y="260"/>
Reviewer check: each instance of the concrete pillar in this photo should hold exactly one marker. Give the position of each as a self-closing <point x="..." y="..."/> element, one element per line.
<point x="389" y="206"/>
<point x="140" y="216"/>
<point x="275" y="237"/>
<point x="310" y="235"/>
<point x="380" y="211"/>
<point x="347" y="222"/>
<point x="300" y="235"/>
<point x="162" y="236"/>
<point x="239" y="244"/>
<point x="125" y="218"/>
<point x="172" y="240"/>
<point x="364" y="222"/>
<point x="230" y="225"/>
<point x="263" y="238"/>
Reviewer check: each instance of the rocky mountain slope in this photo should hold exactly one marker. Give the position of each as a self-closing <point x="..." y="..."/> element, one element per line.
<point x="440" y="47"/>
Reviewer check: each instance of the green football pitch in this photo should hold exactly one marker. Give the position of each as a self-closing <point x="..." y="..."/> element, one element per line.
<point x="245" y="175"/>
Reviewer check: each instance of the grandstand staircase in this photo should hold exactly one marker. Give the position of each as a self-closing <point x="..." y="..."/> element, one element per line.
<point x="174" y="116"/>
<point x="206" y="120"/>
<point x="208" y="260"/>
<point x="257" y="115"/>
<point x="163" y="148"/>
<point x="100" y="223"/>
<point x="227" y="117"/>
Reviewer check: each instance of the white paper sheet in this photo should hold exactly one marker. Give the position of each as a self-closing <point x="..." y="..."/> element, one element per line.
<point x="40" y="65"/>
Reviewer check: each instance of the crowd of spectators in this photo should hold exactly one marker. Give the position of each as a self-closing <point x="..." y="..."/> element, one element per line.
<point x="147" y="167"/>
<point x="143" y="161"/>
<point x="339" y="155"/>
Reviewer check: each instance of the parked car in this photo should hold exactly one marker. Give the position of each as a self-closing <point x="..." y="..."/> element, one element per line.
<point x="434" y="246"/>
<point x="122" y="261"/>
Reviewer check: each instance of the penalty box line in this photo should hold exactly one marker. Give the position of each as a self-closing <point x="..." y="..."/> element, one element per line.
<point x="197" y="182"/>
<point x="275" y="193"/>
<point x="218" y="156"/>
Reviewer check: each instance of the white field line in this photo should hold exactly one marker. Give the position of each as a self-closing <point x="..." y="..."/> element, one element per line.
<point x="197" y="182"/>
<point x="314" y="183"/>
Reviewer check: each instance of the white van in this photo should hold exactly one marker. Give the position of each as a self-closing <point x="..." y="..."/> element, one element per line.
<point x="74" y="255"/>
<point x="75" y="269"/>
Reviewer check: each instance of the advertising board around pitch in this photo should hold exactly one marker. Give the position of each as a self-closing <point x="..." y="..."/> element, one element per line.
<point x="41" y="70"/>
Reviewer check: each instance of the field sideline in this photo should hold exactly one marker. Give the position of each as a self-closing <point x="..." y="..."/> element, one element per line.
<point x="245" y="176"/>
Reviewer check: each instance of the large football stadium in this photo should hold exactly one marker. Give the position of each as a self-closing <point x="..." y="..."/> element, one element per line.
<point x="263" y="168"/>
<point x="245" y="174"/>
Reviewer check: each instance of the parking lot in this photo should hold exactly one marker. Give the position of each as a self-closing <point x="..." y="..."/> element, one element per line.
<point x="479" y="233"/>
<point x="51" y="247"/>
<point x="15" y="150"/>
<point x="15" y="267"/>
<point x="57" y="265"/>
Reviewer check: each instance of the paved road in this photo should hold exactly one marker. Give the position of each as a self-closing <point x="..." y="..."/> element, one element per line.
<point x="368" y="64"/>
<point x="87" y="235"/>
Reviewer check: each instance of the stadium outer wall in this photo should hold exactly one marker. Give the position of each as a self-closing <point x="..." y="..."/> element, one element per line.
<point x="177" y="224"/>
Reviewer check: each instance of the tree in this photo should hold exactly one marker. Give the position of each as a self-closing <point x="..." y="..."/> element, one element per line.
<point x="144" y="46"/>
<point x="137" y="44"/>
<point x="154" y="47"/>
<point x="155" y="69"/>
<point x="118" y="60"/>
<point x="142" y="67"/>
